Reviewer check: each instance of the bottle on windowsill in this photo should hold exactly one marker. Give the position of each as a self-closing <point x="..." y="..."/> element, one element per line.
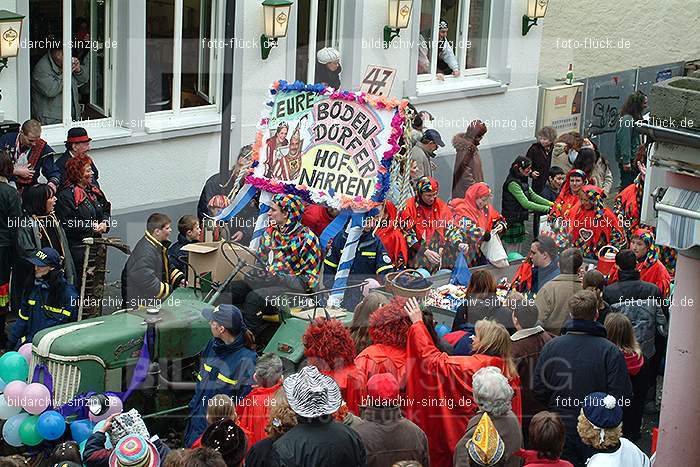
<point x="570" y="74"/>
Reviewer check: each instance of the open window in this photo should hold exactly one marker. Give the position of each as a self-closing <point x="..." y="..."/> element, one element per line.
<point x="318" y="26"/>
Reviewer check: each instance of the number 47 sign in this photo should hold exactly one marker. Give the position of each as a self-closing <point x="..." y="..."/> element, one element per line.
<point x="378" y="80"/>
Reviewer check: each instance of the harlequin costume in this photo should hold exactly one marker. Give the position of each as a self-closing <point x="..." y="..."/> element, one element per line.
<point x="628" y="206"/>
<point x="476" y="224"/>
<point x="429" y="227"/>
<point x="591" y="229"/>
<point x="443" y="379"/>
<point x="392" y="236"/>
<point x="650" y="267"/>
<point x="565" y="203"/>
<point x="291" y="256"/>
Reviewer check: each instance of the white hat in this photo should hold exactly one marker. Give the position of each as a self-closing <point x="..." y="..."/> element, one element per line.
<point x="312" y="394"/>
<point x="327" y="55"/>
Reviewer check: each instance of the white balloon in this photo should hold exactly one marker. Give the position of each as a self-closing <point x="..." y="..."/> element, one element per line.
<point x="6" y="410"/>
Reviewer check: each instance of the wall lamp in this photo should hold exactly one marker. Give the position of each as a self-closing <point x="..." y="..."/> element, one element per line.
<point x="276" y="18"/>
<point x="536" y="9"/>
<point x="399" y="16"/>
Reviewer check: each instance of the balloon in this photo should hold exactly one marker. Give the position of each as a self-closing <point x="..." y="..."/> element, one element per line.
<point x="26" y="352"/>
<point x="115" y="406"/>
<point x="81" y="430"/>
<point x="14" y="393"/>
<point x="6" y="410"/>
<point x="2" y="385"/>
<point x="37" y="398"/>
<point x="100" y="424"/>
<point x="29" y="432"/>
<point x="10" y="431"/>
<point x="13" y="367"/>
<point x="441" y="329"/>
<point x="51" y="425"/>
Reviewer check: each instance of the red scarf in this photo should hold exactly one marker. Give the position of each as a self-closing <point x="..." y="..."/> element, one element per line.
<point x="566" y="202"/>
<point x="90" y="192"/>
<point x="427" y="220"/>
<point x="391" y="236"/>
<point x="466" y="207"/>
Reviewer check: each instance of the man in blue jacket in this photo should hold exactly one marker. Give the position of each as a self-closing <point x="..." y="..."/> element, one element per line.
<point x="227" y="365"/>
<point x="30" y="155"/>
<point x="52" y="300"/>
<point x="371" y="261"/>
<point x="545" y="262"/>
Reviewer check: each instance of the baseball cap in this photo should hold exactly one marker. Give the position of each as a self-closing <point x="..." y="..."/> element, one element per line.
<point x="433" y="136"/>
<point x="46" y="257"/>
<point x="229" y="316"/>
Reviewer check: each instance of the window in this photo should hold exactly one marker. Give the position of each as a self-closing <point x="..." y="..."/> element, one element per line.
<point x="181" y="54"/>
<point x="87" y="24"/>
<point x="318" y="26"/>
<point x="453" y="37"/>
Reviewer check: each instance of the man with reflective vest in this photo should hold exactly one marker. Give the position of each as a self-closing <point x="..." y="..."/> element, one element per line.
<point x="52" y="300"/>
<point x="30" y="155"/>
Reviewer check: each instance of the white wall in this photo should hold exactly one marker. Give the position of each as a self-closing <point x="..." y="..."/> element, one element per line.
<point x="655" y="32"/>
<point x="8" y="77"/>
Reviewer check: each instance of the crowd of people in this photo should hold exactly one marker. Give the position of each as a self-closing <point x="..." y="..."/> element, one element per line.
<point x="559" y="371"/>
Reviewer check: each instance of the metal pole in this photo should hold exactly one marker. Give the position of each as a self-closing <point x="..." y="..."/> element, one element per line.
<point x="227" y="93"/>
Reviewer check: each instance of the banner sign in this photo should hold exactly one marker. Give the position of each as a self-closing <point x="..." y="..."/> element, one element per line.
<point x="330" y="147"/>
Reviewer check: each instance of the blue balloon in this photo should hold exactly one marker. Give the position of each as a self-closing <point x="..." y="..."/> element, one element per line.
<point x="51" y="425"/>
<point x="81" y="430"/>
<point x="10" y="430"/>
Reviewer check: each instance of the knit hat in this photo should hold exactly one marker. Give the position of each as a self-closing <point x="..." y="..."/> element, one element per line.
<point x="134" y="451"/>
<point x="311" y="394"/>
<point x="486" y="446"/>
<point x="327" y="55"/>
<point x="602" y="410"/>
<point x="443" y="24"/>
<point x="227" y="438"/>
<point x="426" y="184"/>
<point x="383" y="386"/>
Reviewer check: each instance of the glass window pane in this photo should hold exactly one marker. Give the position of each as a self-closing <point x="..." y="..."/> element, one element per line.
<point x="46" y="60"/>
<point x="196" y="26"/>
<point x="425" y="37"/>
<point x="303" y="29"/>
<point x="447" y="61"/>
<point x="160" y="24"/>
<point x="89" y="49"/>
<point x="479" y="18"/>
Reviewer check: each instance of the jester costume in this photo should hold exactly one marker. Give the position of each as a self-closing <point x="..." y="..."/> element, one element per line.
<point x="565" y="203"/>
<point x="392" y="236"/>
<point x="291" y="255"/>
<point x="522" y="281"/>
<point x="429" y="227"/>
<point x="628" y="206"/>
<point x="650" y="267"/>
<point x="476" y="224"/>
<point x="591" y="229"/>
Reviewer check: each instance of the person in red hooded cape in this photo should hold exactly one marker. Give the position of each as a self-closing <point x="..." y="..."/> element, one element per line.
<point x="566" y="202"/>
<point x="254" y="410"/>
<point x="430" y="229"/>
<point x="650" y="268"/>
<point x="522" y="281"/>
<point x="591" y="225"/>
<point x="477" y="219"/>
<point x="439" y="396"/>
<point x="391" y="235"/>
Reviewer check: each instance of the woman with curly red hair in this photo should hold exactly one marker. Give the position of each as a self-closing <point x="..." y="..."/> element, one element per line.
<point x="388" y="329"/>
<point x="82" y="208"/>
<point x="329" y="347"/>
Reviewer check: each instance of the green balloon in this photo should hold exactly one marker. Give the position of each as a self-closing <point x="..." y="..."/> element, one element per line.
<point x="13" y="367"/>
<point x="29" y="432"/>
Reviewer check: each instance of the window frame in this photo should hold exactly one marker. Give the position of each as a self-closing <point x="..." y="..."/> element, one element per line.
<point x="336" y="36"/>
<point x="461" y="37"/>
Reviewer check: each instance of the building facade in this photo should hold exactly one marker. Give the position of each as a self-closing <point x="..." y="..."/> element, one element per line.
<point x="154" y="82"/>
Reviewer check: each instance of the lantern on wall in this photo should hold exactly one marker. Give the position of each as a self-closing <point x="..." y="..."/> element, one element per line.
<point x="10" y="32"/>
<point x="399" y="16"/>
<point x="276" y="19"/>
<point x="536" y="9"/>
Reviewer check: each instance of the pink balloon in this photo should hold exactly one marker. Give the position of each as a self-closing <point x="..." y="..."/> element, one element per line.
<point x="37" y="398"/>
<point x="14" y="393"/>
<point x="26" y="352"/>
<point x="115" y="406"/>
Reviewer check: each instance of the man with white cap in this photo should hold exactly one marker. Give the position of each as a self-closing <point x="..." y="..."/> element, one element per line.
<point x="317" y="439"/>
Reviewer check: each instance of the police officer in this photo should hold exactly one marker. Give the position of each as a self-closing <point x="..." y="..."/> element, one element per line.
<point x="371" y="260"/>
<point x="227" y="365"/>
<point x="50" y="302"/>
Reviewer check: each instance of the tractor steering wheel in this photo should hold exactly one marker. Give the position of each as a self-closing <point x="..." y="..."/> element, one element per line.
<point x="240" y="260"/>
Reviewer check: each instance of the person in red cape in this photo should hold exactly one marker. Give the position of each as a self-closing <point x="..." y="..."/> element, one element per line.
<point x="566" y="202"/>
<point x="441" y="385"/>
<point x="392" y="236"/>
<point x="388" y="329"/>
<point x="317" y="218"/>
<point x="477" y="219"/>
<point x="591" y="225"/>
<point x="254" y="410"/>
<point x="329" y="347"/>
<point x="522" y="281"/>
<point x="430" y="227"/>
<point x="648" y="264"/>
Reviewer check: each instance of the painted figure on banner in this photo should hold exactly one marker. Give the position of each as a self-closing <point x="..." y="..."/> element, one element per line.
<point x="274" y="143"/>
<point x="287" y="161"/>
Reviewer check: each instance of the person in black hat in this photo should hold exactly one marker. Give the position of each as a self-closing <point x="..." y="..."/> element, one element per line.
<point x="52" y="300"/>
<point x="228" y="439"/>
<point x="423" y="154"/>
<point x="77" y="144"/>
<point x="228" y="364"/>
